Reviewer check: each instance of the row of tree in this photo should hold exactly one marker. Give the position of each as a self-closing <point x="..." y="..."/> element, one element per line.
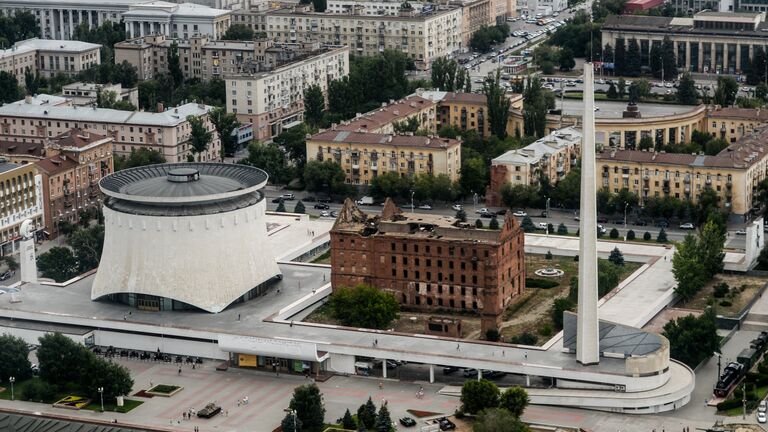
<point x="485" y="37"/>
<point x="62" y="263"/>
<point x="698" y="258"/>
<point x="496" y="411"/>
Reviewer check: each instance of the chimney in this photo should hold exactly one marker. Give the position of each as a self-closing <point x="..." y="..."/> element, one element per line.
<point x="160" y="107"/>
<point x="28" y="99"/>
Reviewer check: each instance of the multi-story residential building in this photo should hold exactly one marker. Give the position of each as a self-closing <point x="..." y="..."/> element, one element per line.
<point x="77" y="160"/>
<point x="175" y="20"/>
<point x="167" y="132"/>
<point x="709" y="42"/>
<point x="551" y="157"/>
<point x="273" y="99"/>
<point x="384" y="119"/>
<point x="422" y="35"/>
<point x="49" y="57"/>
<point x="21" y="198"/>
<point x="430" y="262"/>
<point x="82" y="94"/>
<point x="467" y="111"/>
<point x="361" y="7"/>
<point x="734" y="173"/>
<point x="732" y="123"/>
<point x="58" y="18"/>
<point x="475" y="14"/>
<point x="363" y="155"/>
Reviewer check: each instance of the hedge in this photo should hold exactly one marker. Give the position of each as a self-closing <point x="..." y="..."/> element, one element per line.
<point x="540" y="283"/>
<point x="728" y="404"/>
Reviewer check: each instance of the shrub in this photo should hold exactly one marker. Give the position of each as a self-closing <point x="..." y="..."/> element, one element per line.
<point x="39" y="391"/>
<point x="492" y="335"/>
<point x="548" y="256"/>
<point x="478" y="223"/>
<point x="721" y="290"/>
<point x="662" y="237"/>
<point x="546" y="330"/>
<point x="562" y="229"/>
<point x="525" y="338"/>
<point x="728" y="404"/>
<point x="630" y="235"/>
<point x="494" y="224"/>
<point x="540" y="283"/>
<point x="614" y="234"/>
<point x="647" y="236"/>
<point x="725" y="303"/>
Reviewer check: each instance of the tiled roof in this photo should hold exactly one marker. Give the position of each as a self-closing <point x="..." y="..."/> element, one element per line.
<point x="379" y="117"/>
<point x="56" y="164"/>
<point x="78" y="138"/>
<point x="740" y="113"/>
<point x="22" y="148"/>
<point x="351" y="137"/>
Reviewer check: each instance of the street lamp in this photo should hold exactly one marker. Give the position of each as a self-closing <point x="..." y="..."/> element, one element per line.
<point x="744" y="401"/>
<point x="412" y="193"/>
<point x="719" y="359"/>
<point x="101" y="396"/>
<point x="626" y="205"/>
<point x="293" y="413"/>
<point x="12" y="380"/>
<point x="546" y="215"/>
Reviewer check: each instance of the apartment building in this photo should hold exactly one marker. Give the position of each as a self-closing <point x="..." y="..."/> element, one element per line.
<point x="59" y="18"/>
<point x="422" y="35"/>
<point x="474" y="15"/>
<point x="361" y="7"/>
<point x="732" y="123"/>
<point x="551" y="157"/>
<point x="49" y="57"/>
<point x="734" y="173"/>
<point x="467" y="111"/>
<point x="175" y="20"/>
<point x="21" y="198"/>
<point x="708" y="42"/>
<point x="83" y="94"/>
<point x="273" y="100"/>
<point x="167" y="132"/>
<point x="384" y="119"/>
<point x="428" y="262"/>
<point x="363" y="155"/>
<point x="77" y="160"/>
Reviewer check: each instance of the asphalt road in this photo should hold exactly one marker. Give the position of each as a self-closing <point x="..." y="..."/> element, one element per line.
<point x="556" y="217"/>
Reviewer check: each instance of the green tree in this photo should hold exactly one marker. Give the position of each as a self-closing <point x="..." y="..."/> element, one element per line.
<point x="477" y="395"/>
<point x="498" y="420"/>
<point x="690" y="273"/>
<point x="61" y="359"/>
<point x="726" y="90"/>
<point x="225" y="124"/>
<point x="498" y="105"/>
<point x="558" y="307"/>
<point x="294" y="142"/>
<point x="478" y="223"/>
<point x="757" y="67"/>
<point x="612" y="93"/>
<point x="527" y="224"/>
<point x="761" y="92"/>
<point x="281" y="207"/>
<point x="347" y="422"/>
<point x="620" y="57"/>
<point x="562" y="229"/>
<point x="325" y="176"/>
<point x="474" y="174"/>
<point x="520" y="195"/>
<point x="693" y="339"/>
<point x="108" y="99"/>
<point x="630" y="235"/>
<point x="536" y="103"/>
<point x="711" y="241"/>
<point x="448" y="75"/>
<point x="389" y="184"/>
<point x="383" y="420"/>
<point x="14" y="358"/>
<point x="461" y="215"/>
<point x="565" y="59"/>
<point x="366" y="414"/>
<point x="363" y="306"/>
<point x="494" y="223"/>
<point x="686" y="90"/>
<point x="87" y="244"/>
<point x="616" y="256"/>
<point x="314" y="104"/>
<point x="633" y="64"/>
<point x="614" y="233"/>
<point x="307" y="401"/>
<point x="515" y="400"/>
<point x="240" y="32"/>
<point x="9" y="88"/>
<point x="174" y="65"/>
<point x="114" y="379"/>
<point x="647" y="236"/>
<point x="141" y="157"/>
<point x="200" y="137"/>
<point x="320" y="5"/>
<point x="31" y="82"/>
<point x="290" y="423"/>
<point x="59" y="264"/>
<point x="662" y="237"/>
<point x="299" y="208"/>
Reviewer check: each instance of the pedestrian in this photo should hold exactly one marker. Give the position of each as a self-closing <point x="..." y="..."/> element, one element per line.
<point x="151" y="384"/>
<point x="184" y="415"/>
<point x="238" y="317"/>
<point x="323" y="277"/>
<point x="193" y="366"/>
<point x="381" y="385"/>
<point x="226" y="413"/>
<point x="503" y="353"/>
<point x="179" y="371"/>
<point x="457" y="347"/>
<point x="526" y="355"/>
<point x="125" y="317"/>
<point x="376" y="342"/>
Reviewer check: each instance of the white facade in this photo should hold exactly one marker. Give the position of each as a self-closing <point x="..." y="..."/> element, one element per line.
<point x="49" y="57"/>
<point x="175" y="20"/>
<point x="81" y="93"/>
<point x="368" y="7"/>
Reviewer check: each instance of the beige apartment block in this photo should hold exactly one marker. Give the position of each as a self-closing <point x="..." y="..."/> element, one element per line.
<point x="167" y="132"/>
<point x="21" y="198"/>
<point x="363" y="156"/>
<point x="49" y="57"/>
<point x="273" y="100"/>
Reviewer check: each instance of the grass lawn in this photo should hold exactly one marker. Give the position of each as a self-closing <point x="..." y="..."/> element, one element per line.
<point x="128" y="405"/>
<point x="325" y="258"/>
<point x="742" y="289"/>
<point x="163" y="388"/>
<point x="18" y="389"/>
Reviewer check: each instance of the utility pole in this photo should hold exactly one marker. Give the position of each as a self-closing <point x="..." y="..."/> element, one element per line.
<point x="744" y="401"/>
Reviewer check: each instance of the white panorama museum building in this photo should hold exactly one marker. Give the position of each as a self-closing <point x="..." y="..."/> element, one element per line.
<point x="184" y="236"/>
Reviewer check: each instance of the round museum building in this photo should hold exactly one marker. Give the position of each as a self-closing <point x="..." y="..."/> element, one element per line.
<point x="184" y="236"/>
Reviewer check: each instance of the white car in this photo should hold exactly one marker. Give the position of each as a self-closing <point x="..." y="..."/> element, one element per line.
<point x="741" y="232"/>
<point x="762" y="406"/>
<point x="425" y="207"/>
<point x="325" y="214"/>
<point x="542" y="226"/>
<point x="457" y="207"/>
<point x="687" y="226"/>
<point x="761" y="417"/>
<point x="519" y="213"/>
<point x="481" y="210"/>
<point x="601" y="229"/>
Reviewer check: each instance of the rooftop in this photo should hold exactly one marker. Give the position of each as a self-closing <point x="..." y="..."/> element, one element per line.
<point x="183" y="182"/>
<point x="740" y="113"/>
<point x="8" y="166"/>
<point x="162" y="8"/>
<point x="79" y="139"/>
<point x="387" y="114"/>
<point x="533" y="152"/>
<point x="54" y="45"/>
<point x="43" y="99"/>
<point x="749" y="24"/>
<point x="417" y="17"/>
<point x="350" y="137"/>
<point x="13" y="148"/>
<point x="169" y="117"/>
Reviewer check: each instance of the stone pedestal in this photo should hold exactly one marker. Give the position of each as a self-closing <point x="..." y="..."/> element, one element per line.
<point x="28" y="260"/>
<point x="632" y="111"/>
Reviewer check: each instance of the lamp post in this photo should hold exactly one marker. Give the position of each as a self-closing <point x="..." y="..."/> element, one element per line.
<point x="101" y="396"/>
<point x="412" y="193"/>
<point x="626" y="205"/>
<point x="744" y="401"/>
<point x="546" y="215"/>
<point x="719" y="359"/>
<point x="12" y="380"/>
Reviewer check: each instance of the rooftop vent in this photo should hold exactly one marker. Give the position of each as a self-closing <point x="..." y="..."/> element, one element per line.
<point x="183" y="175"/>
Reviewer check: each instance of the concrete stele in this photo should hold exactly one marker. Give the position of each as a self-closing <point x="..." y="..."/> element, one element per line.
<point x="587" y="335"/>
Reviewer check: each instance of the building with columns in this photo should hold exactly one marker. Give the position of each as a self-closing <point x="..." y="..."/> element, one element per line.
<point x="58" y="18"/>
<point x="708" y="42"/>
<point x="175" y="20"/>
<point x="49" y="57"/>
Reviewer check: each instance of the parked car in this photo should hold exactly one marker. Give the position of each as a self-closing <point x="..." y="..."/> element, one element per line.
<point x="762" y="406"/>
<point x="446" y="424"/>
<point x="288" y="196"/>
<point x="469" y="372"/>
<point x="334" y="214"/>
<point x="601" y="229"/>
<point x="541" y="226"/>
<point x="687" y="226"/>
<point x="457" y="207"/>
<point x="447" y="370"/>
<point x="7" y="275"/>
<point x="761" y="417"/>
<point x="519" y="213"/>
<point x="321" y="206"/>
<point x="277" y="200"/>
<point x="407" y="422"/>
<point x="741" y="232"/>
<point x="640" y="222"/>
<point x="325" y="214"/>
<point x="602" y="220"/>
<point x="481" y="210"/>
<point x="425" y="207"/>
<point x="487" y="214"/>
<point x="309" y="198"/>
<point x="324" y="199"/>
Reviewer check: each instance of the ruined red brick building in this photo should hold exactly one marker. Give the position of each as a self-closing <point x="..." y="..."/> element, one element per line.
<point x="430" y="262"/>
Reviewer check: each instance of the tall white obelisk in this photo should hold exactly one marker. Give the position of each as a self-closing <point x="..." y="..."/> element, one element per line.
<point x="587" y="334"/>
